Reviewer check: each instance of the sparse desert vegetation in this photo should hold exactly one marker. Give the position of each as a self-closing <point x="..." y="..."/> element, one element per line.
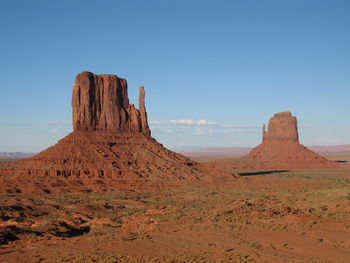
<point x="292" y="216"/>
<point x="174" y="131"/>
<point x="109" y="192"/>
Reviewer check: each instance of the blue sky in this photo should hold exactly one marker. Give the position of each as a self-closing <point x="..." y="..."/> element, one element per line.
<point x="214" y="71"/>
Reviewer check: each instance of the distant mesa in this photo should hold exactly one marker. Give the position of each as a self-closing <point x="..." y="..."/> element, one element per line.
<point x="283" y="126"/>
<point x="281" y="149"/>
<point x="15" y="155"/>
<point x="110" y="149"/>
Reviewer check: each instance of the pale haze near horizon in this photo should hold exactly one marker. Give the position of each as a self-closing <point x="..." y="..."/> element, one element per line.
<point x="214" y="71"/>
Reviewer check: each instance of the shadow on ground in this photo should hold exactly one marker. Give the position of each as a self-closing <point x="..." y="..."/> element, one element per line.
<point x="263" y="172"/>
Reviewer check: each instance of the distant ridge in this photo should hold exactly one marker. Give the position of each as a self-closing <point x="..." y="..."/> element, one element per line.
<point x="15" y="155"/>
<point x="219" y="151"/>
<point x="241" y="151"/>
<point x="224" y="152"/>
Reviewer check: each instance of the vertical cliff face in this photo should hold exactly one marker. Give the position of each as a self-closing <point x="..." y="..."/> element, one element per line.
<point x="100" y="102"/>
<point x="283" y="127"/>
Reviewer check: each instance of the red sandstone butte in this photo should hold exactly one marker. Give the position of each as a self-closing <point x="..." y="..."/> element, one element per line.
<point x="282" y="127"/>
<point x="100" y="102"/>
<point x="280" y="147"/>
<point x="280" y="150"/>
<point x="110" y="149"/>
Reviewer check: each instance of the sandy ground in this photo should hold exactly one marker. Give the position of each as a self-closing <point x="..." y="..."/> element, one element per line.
<point x="293" y="216"/>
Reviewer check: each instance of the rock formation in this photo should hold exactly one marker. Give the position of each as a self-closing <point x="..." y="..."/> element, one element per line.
<point x="100" y="102"/>
<point x="282" y="127"/>
<point x="143" y="114"/>
<point x="110" y="148"/>
<point x="281" y="149"/>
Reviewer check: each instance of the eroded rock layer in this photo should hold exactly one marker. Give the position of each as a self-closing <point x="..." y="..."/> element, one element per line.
<point x="109" y="150"/>
<point x="102" y="161"/>
<point x="280" y="147"/>
<point x="280" y="150"/>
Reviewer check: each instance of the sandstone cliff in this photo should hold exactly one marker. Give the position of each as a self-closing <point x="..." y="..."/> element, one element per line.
<point x="109" y="150"/>
<point x="100" y="102"/>
<point x="280" y="147"/>
<point x="280" y="150"/>
<point x="283" y="126"/>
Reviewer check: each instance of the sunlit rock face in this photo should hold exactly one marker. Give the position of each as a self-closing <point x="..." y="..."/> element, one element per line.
<point x="100" y="102"/>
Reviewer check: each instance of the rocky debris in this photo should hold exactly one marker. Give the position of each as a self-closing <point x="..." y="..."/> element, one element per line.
<point x="62" y="229"/>
<point x="101" y="161"/>
<point x="100" y="102"/>
<point x="12" y="233"/>
<point x="8" y="234"/>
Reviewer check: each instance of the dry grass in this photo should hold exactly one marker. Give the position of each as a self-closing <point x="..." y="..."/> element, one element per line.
<point x="257" y="219"/>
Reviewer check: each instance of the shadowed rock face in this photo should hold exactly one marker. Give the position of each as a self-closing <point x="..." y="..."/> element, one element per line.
<point x="283" y="126"/>
<point x="100" y="102"/>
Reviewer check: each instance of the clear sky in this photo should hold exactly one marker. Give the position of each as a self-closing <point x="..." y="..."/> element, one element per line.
<point x="214" y="71"/>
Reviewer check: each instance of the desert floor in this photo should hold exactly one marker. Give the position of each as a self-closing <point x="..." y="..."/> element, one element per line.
<point x="290" y="216"/>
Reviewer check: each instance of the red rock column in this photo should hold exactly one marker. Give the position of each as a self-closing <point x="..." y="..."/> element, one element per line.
<point x="144" y="122"/>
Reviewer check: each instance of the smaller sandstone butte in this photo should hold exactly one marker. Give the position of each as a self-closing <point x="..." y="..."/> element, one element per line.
<point x="280" y="147"/>
<point x="282" y="127"/>
<point x="100" y="102"/>
<point x="280" y="150"/>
